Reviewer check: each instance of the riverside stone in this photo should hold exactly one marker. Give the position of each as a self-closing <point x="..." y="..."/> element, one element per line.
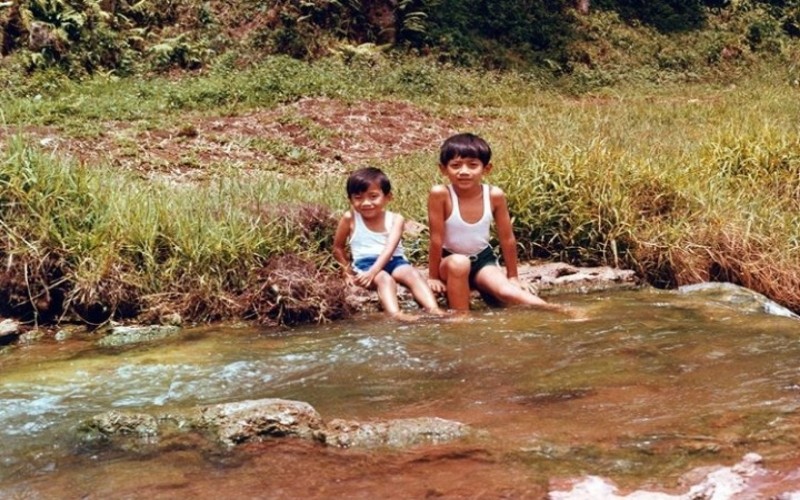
<point x="9" y="327"/>
<point x="541" y="278"/>
<point x="398" y="433"/>
<point x="255" y="420"/>
<point x="124" y="335"/>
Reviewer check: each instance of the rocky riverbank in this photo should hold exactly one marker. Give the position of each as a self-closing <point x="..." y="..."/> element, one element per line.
<point x="544" y="278"/>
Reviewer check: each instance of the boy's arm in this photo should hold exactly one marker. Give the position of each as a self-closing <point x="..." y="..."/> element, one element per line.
<point x="508" y="245"/>
<point x="505" y="233"/>
<point x="340" y="244"/>
<point x="436" y="209"/>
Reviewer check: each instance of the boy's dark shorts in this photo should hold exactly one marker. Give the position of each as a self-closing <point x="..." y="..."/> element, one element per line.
<point x="395" y="262"/>
<point x="478" y="261"/>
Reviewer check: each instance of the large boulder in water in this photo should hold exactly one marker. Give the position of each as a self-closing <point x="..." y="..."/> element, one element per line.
<point x="253" y="420"/>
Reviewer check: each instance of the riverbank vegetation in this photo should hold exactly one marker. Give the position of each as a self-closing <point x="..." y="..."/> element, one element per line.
<point x="209" y="190"/>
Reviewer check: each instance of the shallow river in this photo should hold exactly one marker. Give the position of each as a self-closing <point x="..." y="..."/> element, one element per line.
<point x="650" y="386"/>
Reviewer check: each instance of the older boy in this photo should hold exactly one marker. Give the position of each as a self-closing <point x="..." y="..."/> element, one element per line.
<point x="460" y="216"/>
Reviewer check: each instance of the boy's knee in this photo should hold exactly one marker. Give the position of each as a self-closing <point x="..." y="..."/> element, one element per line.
<point x="458" y="265"/>
<point x="383" y="278"/>
<point x="406" y="273"/>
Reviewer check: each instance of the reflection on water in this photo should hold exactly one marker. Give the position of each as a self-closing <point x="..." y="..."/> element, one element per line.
<point x="651" y="385"/>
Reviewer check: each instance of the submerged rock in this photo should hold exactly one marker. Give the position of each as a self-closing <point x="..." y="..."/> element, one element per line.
<point x="255" y="420"/>
<point x="116" y="423"/>
<point x="743" y="299"/>
<point x="720" y="483"/>
<point x="399" y="433"/>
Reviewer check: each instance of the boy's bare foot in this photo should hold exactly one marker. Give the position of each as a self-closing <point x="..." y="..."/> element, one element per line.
<point x="576" y="314"/>
<point x="459" y="316"/>
<point x="404" y="317"/>
<point x="438" y="312"/>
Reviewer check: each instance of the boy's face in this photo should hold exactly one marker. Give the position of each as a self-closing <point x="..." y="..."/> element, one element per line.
<point x="371" y="202"/>
<point x="465" y="172"/>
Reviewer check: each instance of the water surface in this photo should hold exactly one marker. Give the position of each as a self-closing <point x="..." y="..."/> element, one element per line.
<point x="653" y="384"/>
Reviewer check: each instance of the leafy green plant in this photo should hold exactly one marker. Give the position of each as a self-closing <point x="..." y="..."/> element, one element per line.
<point x="177" y="51"/>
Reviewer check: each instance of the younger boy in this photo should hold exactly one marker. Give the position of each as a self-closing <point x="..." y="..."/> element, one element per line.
<point x="460" y="215"/>
<point x="374" y="236"/>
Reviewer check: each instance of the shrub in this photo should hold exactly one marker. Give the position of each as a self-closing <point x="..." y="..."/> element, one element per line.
<point x="665" y="15"/>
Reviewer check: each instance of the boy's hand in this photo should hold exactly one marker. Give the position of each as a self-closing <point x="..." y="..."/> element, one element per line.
<point x="364" y="279"/>
<point x="437" y="286"/>
<point x="528" y="287"/>
<point x="349" y="279"/>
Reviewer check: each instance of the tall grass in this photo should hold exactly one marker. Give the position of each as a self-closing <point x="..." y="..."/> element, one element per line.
<point x="98" y="243"/>
<point x="682" y="183"/>
<point x="685" y="184"/>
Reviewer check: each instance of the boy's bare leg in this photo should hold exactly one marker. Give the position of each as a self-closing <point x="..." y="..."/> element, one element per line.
<point x="411" y="279"/>
<point x="387" y="293"/>
<point x="493" y="281"/>
<point x="454" y="270"/>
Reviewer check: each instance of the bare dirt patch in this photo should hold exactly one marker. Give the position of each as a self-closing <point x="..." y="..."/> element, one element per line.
<point x="307" y="137"/>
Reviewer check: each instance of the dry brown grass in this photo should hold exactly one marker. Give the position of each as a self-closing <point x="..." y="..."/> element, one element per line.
<point x="33" y="287"/>
<point x="113" y="294"/>
<point x="291" y="290"/>
<point x="724" y="254"/>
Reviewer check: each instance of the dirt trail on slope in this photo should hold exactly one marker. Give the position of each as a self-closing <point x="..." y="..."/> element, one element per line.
<point x="308" y="137"/>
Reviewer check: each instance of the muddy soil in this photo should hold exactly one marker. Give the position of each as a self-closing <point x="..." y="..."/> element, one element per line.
<point x="307" y="137"/>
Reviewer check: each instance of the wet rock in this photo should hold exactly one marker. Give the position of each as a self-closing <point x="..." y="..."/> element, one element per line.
<point x="400" y="433"/>
<point x="114" y="423"/>
<point x="551" y="278"/>
<point x="739" y="297"/>
<point x="67" y="332"/>
<point x="124" y="335"/>
<point x="256" y="420"/>
<point x="721" y="483"/>
<point x="234" y="423"/>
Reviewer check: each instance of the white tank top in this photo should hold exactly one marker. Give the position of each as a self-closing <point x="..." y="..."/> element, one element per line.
<point x="366" y="243"/>
<point x="465" y="238"/>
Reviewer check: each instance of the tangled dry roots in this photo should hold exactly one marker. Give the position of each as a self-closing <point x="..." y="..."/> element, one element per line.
<point x="32" y="287"/>
<point x="291" y="290"/>
<point x="112" y="295"/>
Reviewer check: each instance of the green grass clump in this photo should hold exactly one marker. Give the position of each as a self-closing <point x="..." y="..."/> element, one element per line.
<point x="99" y="244"/>
<point x="684" y="185"/>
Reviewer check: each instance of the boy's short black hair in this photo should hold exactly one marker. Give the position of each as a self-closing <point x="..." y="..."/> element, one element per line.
<point x="465" y="146"/>
<point x="360" y="180"/>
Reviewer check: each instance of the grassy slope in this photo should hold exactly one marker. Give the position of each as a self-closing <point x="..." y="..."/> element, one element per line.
<point x="681" y="174"/>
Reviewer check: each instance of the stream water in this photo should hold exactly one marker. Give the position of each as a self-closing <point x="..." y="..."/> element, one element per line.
<point x="650" y="386"/>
